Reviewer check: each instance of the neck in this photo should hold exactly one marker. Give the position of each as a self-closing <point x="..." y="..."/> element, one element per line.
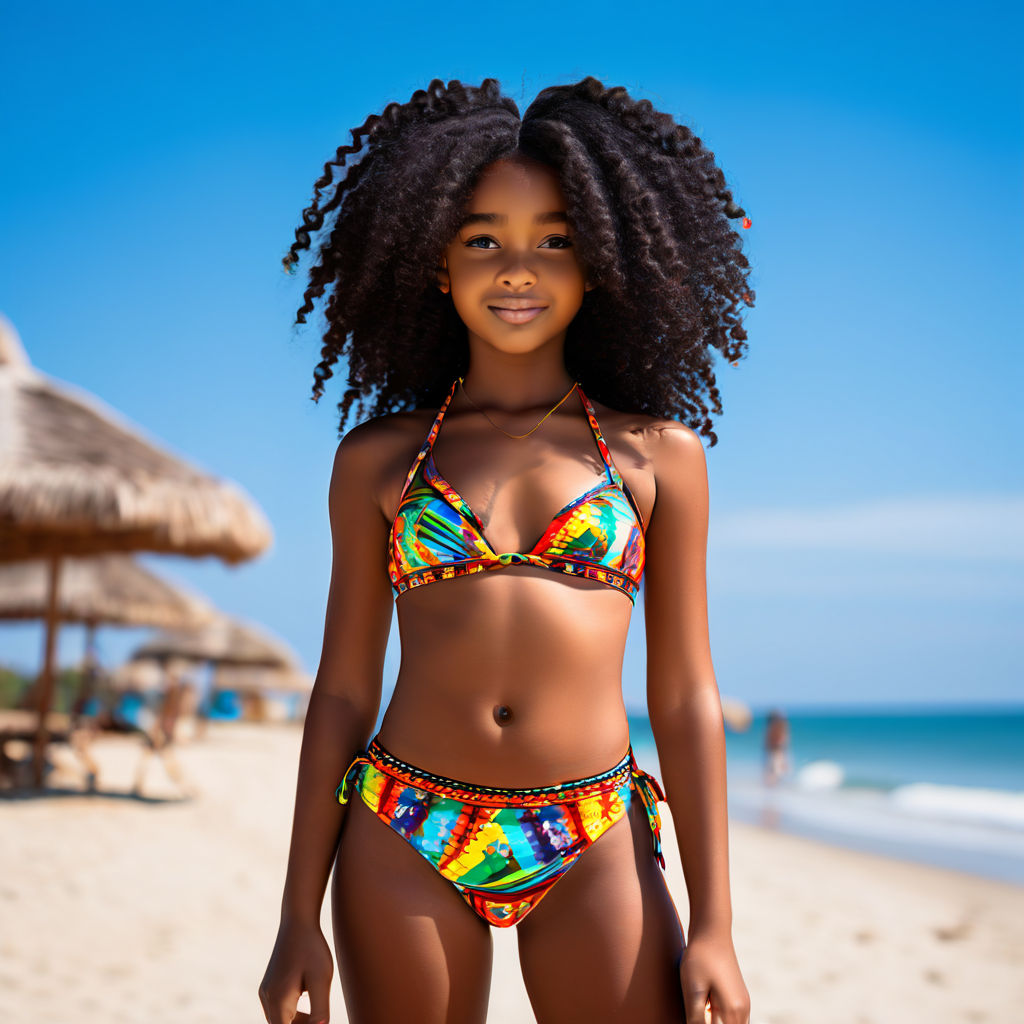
<point x="515" y="383"/>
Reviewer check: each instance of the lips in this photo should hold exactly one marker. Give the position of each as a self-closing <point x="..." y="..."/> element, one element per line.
<point x="518" y="315"/>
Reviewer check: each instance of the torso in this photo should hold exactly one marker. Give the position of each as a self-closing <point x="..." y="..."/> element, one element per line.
<point x="512" y="677"/>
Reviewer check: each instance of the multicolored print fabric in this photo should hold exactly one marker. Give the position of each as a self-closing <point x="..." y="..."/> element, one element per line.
<point x="437" y="536"/>
<point x="503" y="849"/>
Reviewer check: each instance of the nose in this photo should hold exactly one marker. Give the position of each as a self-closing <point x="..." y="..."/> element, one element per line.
<point x="517" y="275"/>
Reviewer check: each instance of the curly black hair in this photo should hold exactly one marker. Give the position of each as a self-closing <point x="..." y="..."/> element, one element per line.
<point x="649" y="206"/>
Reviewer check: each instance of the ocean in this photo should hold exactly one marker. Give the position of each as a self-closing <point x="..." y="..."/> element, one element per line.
<point x="943" y="786"/>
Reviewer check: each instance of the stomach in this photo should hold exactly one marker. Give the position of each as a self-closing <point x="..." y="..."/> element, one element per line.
<point x="510" y="678"/>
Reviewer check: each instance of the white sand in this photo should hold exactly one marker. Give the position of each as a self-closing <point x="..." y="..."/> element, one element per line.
<point x="115" y="910"/>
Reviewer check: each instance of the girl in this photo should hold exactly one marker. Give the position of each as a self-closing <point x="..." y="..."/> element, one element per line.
<point x="526" y="307"/>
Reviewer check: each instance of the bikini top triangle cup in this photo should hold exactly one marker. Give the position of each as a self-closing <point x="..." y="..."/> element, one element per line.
<point x="436" y="535"/>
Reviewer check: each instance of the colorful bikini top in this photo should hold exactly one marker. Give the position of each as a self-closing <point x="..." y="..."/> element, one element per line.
<point x="437" y="536"/>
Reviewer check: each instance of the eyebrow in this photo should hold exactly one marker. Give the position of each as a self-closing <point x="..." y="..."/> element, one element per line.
<point x="554" y="216"/>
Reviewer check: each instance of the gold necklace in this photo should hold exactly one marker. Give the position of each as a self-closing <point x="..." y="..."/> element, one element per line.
<point x="505" y="432"/>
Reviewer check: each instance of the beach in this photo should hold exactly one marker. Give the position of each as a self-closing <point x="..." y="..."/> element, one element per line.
<point x="118" y="909"/>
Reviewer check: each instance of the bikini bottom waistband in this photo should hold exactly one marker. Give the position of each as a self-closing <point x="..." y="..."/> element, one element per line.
<point x="468" y="792"/>
<point x="625" y="777"/>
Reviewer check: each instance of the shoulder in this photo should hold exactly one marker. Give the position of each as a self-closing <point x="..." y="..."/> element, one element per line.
<point x="676" y="450"/>
<point x="679" y="466"/>
<point x="666" y="446"/>
<point x="374" y="452"/>
<point x="382" y="435"/>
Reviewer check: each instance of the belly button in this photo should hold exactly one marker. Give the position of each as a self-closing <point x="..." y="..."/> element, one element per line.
<point x="502" y="714"/>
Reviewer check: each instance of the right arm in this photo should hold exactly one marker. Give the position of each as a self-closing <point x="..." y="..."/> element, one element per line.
<point x="341" y="714"/>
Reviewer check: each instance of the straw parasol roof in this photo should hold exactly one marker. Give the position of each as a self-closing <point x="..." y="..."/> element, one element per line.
<point x="258" y="679"/>
<point x="112" y="589"/>
<point x="143" y="674"/>
<point x="78" y="478"/>
<point x="224" y="640"/>
<point x="736" y="713"/>
<point x="147" y="674"/>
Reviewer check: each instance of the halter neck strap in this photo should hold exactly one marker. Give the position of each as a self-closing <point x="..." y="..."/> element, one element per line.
<point x="606" y="456"/>
<point x="431" y="436"/>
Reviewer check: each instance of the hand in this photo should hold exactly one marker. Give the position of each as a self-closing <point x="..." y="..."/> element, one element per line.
<point x="713" y="988"/>
<point x="301" y="962"/>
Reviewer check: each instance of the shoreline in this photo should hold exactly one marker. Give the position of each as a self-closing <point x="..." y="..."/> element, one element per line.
<point x="981" y="853"/>
<point x="116" y="909"/>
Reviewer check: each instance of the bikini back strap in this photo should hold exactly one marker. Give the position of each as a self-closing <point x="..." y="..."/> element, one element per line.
<point x="431" y="436"/>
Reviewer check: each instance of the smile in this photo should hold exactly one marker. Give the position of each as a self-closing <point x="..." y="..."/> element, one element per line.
<point x="516" y="316"/>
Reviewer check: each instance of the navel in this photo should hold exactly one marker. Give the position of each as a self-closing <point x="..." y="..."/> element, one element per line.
<point x="502" y="714"/>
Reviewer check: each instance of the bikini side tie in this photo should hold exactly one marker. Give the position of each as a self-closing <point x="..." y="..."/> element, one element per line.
<point x="342" y="793"/>
<point x="650" y="793"/>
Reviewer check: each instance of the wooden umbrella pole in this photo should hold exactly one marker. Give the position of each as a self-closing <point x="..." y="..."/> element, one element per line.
<point x="46" y="680"/>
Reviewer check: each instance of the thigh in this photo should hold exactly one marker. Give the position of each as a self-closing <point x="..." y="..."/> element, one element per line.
<point x="409" y="947"/>
<point x="605" y="943"/>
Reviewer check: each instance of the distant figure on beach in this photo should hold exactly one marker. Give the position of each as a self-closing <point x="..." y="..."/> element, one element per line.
<point x="158" y="737"/>
<point x="542" y="297"/>
<point x="201" y="712"/>
<point x="88" y="717"/>
<point x="776" y="747"/>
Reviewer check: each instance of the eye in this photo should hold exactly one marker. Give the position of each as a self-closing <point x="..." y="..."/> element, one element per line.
<point x="566" y="242"/>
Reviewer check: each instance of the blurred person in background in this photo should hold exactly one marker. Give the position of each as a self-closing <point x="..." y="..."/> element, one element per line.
<point x="776" y="747"/>
<point x="158" y="736"/>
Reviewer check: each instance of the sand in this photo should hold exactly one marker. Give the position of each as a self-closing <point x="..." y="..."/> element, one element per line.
<point x="114" y="909"/>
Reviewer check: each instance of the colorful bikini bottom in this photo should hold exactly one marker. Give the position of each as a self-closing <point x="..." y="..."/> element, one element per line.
<point x="503" y="849"/>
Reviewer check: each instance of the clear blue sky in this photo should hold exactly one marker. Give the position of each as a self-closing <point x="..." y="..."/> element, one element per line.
<point x="867" y="504"/>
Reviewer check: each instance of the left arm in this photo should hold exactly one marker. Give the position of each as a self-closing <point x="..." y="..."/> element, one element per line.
<point x="686" y="718"/>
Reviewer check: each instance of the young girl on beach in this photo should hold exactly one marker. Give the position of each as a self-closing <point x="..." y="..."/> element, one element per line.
<point x="527" y="308"/>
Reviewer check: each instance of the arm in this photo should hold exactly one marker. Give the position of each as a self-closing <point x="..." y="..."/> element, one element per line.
<point x="342" y="711"/>
<point x="346" y="693"/>
<point x="686" y="718"/>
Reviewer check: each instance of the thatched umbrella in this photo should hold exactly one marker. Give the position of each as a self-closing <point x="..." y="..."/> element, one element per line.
<point x="76" y="478"/>
<point x="736" y="713"/>
<point x="111" y="589"/>
<point x="254" y="683"/>
<point x="239" y="649"/>
<point x="258" y="679"/>
<point x="224" y="641"/>
<point x="103" y="589"/>
<point x="141" y="674"/>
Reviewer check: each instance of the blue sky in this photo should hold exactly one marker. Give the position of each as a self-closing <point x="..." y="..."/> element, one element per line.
<point x="867" y="504"/>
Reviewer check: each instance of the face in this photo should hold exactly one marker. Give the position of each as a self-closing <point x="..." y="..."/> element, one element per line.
<point x="512" y="268"/>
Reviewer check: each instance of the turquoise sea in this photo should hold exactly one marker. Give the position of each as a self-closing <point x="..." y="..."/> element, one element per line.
<point x="943" y="786"/>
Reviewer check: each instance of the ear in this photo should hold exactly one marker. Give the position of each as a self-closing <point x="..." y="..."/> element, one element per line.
<point x="444" y="281"/>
